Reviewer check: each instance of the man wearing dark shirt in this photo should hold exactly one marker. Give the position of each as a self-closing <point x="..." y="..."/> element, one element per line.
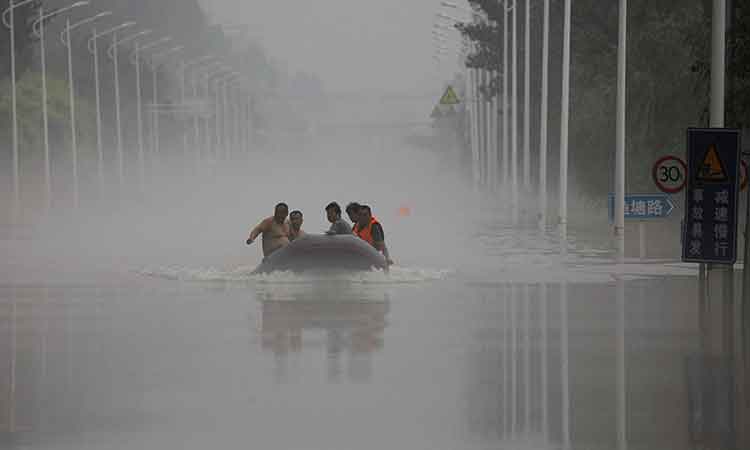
<point x="338" y="225"/>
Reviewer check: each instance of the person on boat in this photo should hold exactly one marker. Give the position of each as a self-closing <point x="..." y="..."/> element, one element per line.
<point x="369" y="229"/>
<point x="338" y="225"/>
<point x="295" y="225"/>
<point x="274" y="230"/>
<point x="352" y="209"/>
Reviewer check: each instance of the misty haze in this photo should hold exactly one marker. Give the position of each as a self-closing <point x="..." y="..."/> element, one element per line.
<point x="433" y="224"/>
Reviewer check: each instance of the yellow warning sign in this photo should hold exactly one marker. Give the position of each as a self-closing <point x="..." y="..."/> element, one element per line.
<point x="450" y="97"/>
<point x="712" y="169"/>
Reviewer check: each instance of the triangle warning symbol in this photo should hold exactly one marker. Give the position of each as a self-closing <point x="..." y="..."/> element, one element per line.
<point x="712" y="169"/>
<point x="449" y="97"/>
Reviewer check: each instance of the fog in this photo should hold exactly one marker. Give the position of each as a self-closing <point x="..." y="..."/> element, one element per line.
<point x="134" y="320"/>
<point x="357" y="46"/>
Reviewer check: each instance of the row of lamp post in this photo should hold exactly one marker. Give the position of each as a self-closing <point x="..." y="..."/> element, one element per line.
<point x="228" y="122"/>
<point x="506" y="151"/>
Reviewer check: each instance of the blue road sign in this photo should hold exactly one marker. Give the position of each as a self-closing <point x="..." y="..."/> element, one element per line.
<point x="710" y="224"/>
<point x="643" y="206"/>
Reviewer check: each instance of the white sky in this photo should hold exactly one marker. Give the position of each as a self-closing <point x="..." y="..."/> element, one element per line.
<point x="353" y="45"/>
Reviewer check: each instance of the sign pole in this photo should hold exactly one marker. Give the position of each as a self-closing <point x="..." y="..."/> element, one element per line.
<point x="641" y="241"/>
<point x="620" y="134"/>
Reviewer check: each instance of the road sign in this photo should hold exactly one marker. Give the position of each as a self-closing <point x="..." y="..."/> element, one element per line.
<point x="643" y="206"/>
<point x="710" y="224"/>
<point x="449" y="97"/>
<point x="669" y="174"/>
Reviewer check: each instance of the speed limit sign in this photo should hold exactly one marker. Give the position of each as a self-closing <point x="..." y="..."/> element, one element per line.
<point x="669" y="174"/>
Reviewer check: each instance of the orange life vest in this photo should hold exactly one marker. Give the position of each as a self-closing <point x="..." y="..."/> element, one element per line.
<point x="366" y="233"/>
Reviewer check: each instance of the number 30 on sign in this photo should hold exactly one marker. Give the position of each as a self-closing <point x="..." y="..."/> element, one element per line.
<point x="669" y="174"/>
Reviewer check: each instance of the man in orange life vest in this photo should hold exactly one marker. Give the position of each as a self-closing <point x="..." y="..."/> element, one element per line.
<point x="369" y="229"/>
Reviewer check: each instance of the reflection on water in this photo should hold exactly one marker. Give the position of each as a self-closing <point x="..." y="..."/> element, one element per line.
<point x="346" y="320"/>
<point x="609" y="367"/>
<point x="623" y="365"/>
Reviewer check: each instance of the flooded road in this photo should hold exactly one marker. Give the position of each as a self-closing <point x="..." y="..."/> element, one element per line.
<point x="312" y="363"/>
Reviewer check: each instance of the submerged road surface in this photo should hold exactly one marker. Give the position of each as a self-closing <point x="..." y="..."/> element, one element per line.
<point x="572" y="356"/>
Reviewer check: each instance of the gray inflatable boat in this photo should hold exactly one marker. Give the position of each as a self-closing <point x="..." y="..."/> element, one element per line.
<point x="322" y="252"/>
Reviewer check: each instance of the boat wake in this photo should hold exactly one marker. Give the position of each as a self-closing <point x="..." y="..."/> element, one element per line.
<point x="396" y="275"/>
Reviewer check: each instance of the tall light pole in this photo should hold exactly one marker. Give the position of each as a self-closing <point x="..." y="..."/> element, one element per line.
<point x="183" y="88"/>
<point x="222" y="92"/>
<point x="205" y="65"/>
<point x="65" y="38"/>
<point x="543" y="120"/>
<point x="118" y="119"/>
<point x="155" y="58"/>
<point x="207" y="86"/>
<point x="135" y="59"/>
<point x="8" y="19"/>
<point x="527" y="99"/>
<point x="154" y="89"/>
<point x="620" y="131"/>
<point x="93" y="48"/>
<point x="39" y="30"/>
<point x="564" y="123"/>
<point x="514" y="120"/>
<point x="139" y="125"/>
<point x="506" y="141"/>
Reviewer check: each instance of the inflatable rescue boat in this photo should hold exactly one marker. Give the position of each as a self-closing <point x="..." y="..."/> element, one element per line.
<point x="322" y="252"/>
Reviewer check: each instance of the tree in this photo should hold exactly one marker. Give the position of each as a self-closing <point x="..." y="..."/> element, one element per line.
<point x="661" y="98"/>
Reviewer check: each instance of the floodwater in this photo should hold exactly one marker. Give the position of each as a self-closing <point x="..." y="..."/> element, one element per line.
<point x="420" y="360"/>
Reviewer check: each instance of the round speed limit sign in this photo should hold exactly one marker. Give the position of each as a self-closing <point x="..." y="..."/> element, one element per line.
<point x="669" y="174"/>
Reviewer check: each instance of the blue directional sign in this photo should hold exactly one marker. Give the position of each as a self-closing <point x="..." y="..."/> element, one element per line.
<point x="710" y="224"/>
<point x="643" y="206"/>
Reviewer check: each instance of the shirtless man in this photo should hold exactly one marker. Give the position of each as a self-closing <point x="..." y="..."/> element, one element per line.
<point x="295" y="225"/>
<point x="275" y="230"/>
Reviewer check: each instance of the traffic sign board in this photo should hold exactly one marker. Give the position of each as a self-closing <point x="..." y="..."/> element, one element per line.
<point x="449" y="97"/>
<point x="710" y="223"/>
<point x="643" y="206"/>
<point x="669" y="174"/>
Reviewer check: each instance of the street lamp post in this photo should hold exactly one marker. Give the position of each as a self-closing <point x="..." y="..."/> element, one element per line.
<point x="135" y="59"/>
<point x="184" y="79"/>
<point x="514" y="117"/>
<point x="564" y="123"/>
<point x="139" y="125"/>
<point x="196" y="78"/>
<point x="154" y="83"/>
<point x="527" y="100"/>
<point x="230" y="111"/>
<point x="620" y="131"/>
<point x="207" y="88"/>
<point x="65" y="38"/>
<point x="114" y="56"/>
<point x="39" y="30"/>
<point x="543" y="120"/>
<point x="8" y="19"/>
<point x="506" y="141"/>
<point x="93" y="48"/>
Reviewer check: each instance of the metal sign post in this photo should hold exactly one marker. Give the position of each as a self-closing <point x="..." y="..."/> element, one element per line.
<point x="642" y="207"/>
